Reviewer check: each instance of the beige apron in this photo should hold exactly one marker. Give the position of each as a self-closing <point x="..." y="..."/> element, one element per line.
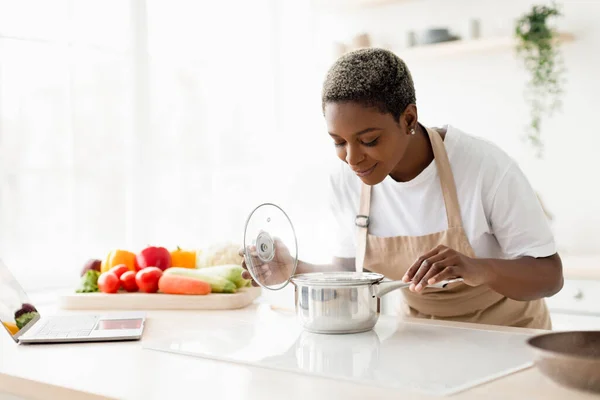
<point x="392" y="256"/>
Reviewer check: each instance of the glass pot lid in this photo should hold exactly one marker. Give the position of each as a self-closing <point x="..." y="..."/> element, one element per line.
<point x="338" y="278"/>
<point x="270" y="246"/>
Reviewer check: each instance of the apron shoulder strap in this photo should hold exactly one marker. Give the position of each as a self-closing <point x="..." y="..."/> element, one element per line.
<point x="362" y="224"/>
<point x="447" y="182"/>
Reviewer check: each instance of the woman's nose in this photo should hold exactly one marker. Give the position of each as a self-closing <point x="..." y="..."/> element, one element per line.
<point x="353" y="155"/>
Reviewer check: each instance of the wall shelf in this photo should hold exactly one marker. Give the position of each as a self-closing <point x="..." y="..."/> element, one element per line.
<point x="460" y="47"/>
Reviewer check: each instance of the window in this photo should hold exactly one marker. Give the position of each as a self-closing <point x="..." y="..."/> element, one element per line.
<point x="124" y="124"/>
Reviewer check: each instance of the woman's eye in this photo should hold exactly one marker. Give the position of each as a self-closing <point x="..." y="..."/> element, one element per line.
<point x="371" y="143"/>
<point x="340" y="144"/>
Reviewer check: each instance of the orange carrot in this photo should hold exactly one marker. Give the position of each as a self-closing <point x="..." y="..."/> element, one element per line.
<point x="175" y="284"/>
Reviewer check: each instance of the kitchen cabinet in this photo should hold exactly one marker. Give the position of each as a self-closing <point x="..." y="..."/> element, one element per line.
<point x="578" y="296"/>
<point x="576" y="306"/>
<point x="574" y="322"/>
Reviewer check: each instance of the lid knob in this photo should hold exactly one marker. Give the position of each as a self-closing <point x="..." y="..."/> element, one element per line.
<point x="265" y="247"/>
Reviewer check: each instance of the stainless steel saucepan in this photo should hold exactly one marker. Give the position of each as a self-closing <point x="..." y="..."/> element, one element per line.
<point x="342" y="302"/>
<point x="325" y="302"/>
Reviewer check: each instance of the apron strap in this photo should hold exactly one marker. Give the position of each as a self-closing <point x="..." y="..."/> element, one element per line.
<point x="446" y="179"/>
<point x="362" y="223"/>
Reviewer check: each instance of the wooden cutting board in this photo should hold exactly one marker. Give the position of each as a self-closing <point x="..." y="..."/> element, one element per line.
<point x="158" y="301"/>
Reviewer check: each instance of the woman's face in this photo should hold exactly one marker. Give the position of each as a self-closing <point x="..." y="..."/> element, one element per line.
<point x="372" y="143"/>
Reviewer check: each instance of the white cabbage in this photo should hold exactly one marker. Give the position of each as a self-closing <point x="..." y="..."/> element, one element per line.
<point x="219" y="254"/>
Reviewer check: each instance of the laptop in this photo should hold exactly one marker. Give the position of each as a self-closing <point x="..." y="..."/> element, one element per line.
<point x="21" y="319"/>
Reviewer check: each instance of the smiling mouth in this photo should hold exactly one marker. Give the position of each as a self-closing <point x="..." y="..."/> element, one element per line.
<point x="366" y="171"/>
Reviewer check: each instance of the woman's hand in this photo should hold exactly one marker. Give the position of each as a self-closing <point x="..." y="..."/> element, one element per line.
<point x="276" y="271"/>
<point x="443" y="263"/>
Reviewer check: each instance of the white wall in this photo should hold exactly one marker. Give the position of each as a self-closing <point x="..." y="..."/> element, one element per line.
<point x="235" y="120"/>
<point x="483" y="94"/>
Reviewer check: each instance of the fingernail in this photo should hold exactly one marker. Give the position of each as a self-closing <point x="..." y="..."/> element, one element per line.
<point x="405" y="278"/>
<point x="431" y="281"/>
<point x="412" y="287"/>
<point x="419" y="287"/>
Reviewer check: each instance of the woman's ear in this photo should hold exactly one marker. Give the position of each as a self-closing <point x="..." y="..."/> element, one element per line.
<point x="410" y="117"/>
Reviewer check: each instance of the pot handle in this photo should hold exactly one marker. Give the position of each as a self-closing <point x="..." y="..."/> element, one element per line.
<point x="383" y="288"/>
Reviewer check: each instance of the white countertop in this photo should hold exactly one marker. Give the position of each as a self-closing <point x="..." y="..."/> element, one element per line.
<point x="128" y="371"/>
<point x="393" y="355"/>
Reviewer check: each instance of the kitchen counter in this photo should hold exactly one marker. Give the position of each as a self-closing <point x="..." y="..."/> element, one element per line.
<point x="126" y="370"/>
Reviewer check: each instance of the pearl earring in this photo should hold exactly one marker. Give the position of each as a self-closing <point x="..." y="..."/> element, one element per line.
<point x="412" y="131"/>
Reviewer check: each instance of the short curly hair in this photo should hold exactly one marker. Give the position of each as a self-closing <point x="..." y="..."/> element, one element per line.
<point x="372" y="77"/>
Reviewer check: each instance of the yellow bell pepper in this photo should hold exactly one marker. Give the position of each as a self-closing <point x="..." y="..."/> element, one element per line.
<point x="117" y="257"/>
<point x="12" y="328"/>
<point x="183" y="258"/>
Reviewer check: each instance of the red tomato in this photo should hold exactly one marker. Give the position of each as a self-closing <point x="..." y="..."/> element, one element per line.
<point x="147" y="279"/>
<point x="108" y="282"/>
<point x="128" y="281"/>
<point x="119" y="270"/>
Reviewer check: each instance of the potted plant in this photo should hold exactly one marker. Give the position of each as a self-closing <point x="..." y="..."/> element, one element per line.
<point x="538" y="47"/>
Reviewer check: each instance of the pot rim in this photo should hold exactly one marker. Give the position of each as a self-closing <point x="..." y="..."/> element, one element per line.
<point x="337" y="279"/>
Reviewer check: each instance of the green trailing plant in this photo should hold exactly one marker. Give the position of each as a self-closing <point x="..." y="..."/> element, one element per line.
<point x="539" y="48"/>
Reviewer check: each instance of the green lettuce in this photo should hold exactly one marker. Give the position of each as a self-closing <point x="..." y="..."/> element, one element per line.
<point x="24" y="319"/>
<point x="89" y="282"/>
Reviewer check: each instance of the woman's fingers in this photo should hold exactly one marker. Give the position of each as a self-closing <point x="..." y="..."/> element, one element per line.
<point x="437" y="268"/>
<point x="420" y="281"/>
<point x="253" y="255"/>
<point x="416" y="266"/>
<point x="426" y="265"/>
<point x="412" y="270"/>
<point x="431" y="267"/>
<point x="427" y="271"/>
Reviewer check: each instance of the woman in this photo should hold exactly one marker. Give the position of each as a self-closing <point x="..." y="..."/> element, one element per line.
<point x="425" y="205"/>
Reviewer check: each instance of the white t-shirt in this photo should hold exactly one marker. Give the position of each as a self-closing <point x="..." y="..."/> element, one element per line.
<point x="500" y="211"/>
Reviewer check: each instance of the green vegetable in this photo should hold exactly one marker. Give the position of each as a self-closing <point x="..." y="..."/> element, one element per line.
<point x="218" y="284"/>
<point x="25" y="308"/>
<point x="89" y="282"/>
<point x="231" y="272"/>
<point x="539" y="49"/>
<point x="24" y="319"/>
